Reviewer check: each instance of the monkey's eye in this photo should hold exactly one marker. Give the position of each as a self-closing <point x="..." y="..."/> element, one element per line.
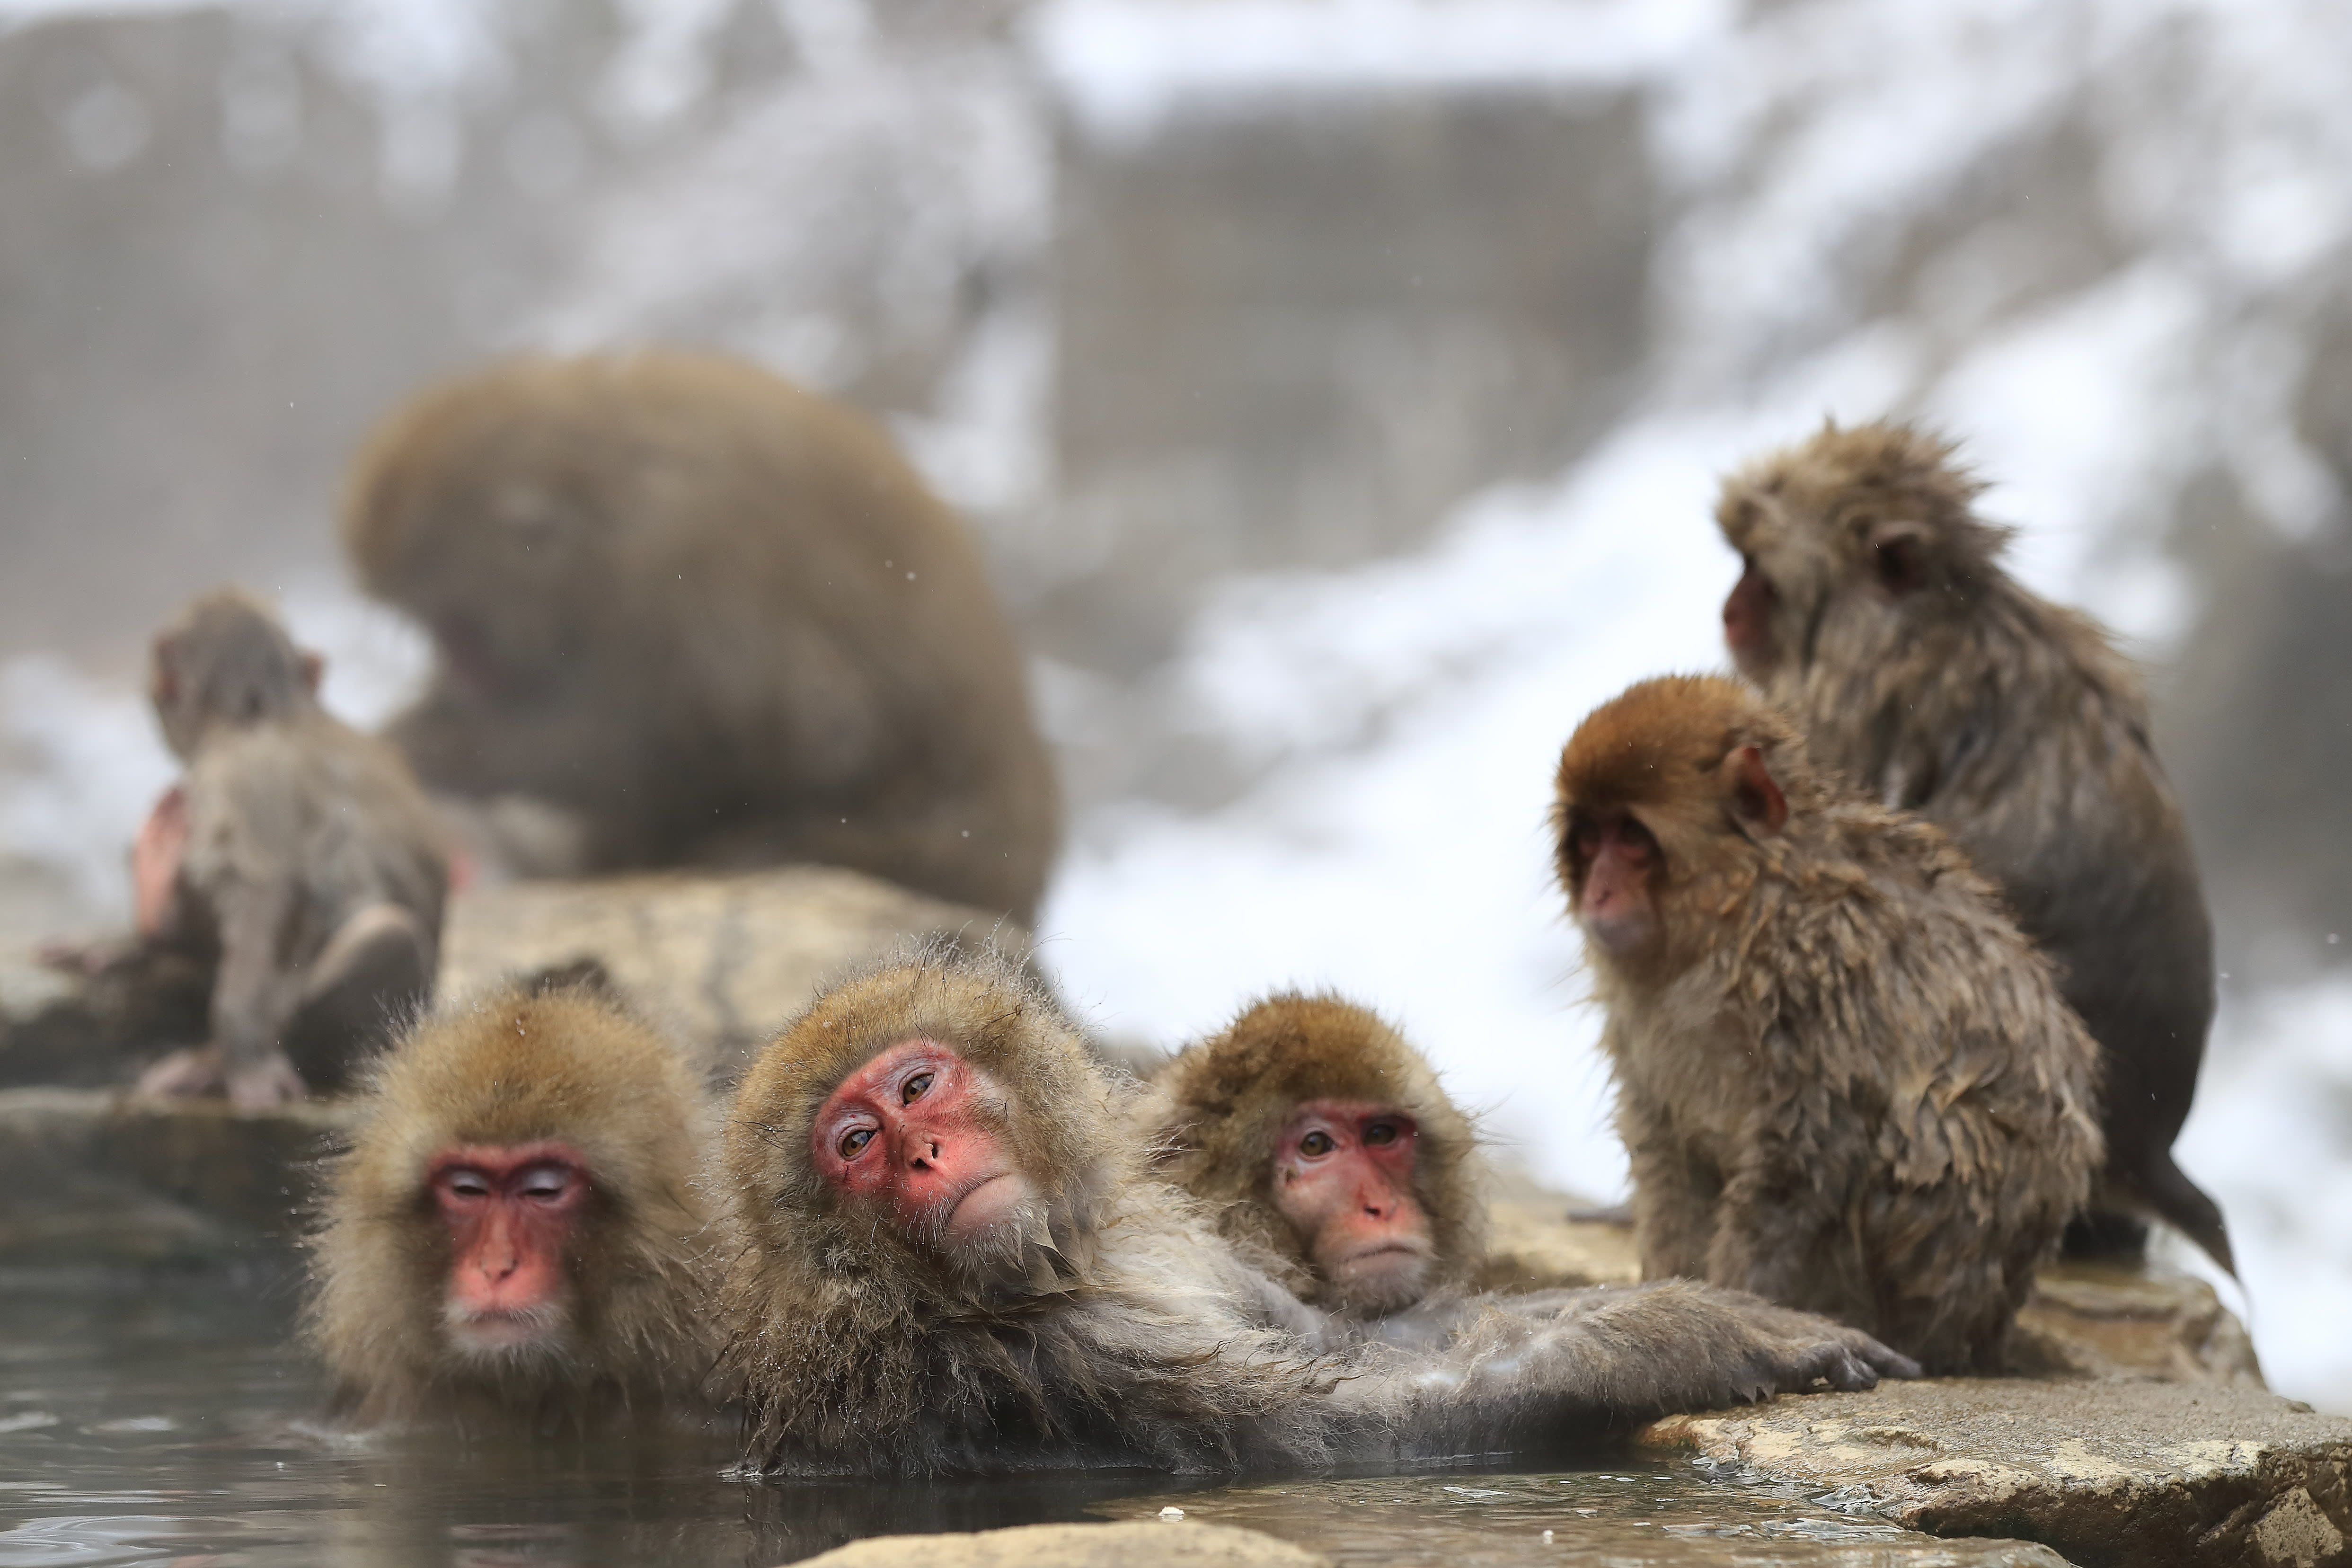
<point x="1380" y="1132"/>
<point x="915" y="1088"/>
<point x="1317" y="1143"/>
<point x="546" y="1184"/>
<point x="465" y="1184"/>
<point x="854" y="1141"/>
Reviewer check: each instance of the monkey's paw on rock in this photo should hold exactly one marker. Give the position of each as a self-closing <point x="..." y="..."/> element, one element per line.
<point x="1186" y="1545"/>
<point x="2107" y="1472"/>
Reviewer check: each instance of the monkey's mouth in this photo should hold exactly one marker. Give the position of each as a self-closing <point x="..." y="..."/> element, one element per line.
<point x="984" y="1204"/>
<point x="505" y="1332"/>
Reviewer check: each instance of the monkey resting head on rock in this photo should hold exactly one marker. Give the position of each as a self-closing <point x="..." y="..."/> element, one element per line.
<point x="1845" y="1081"/>
<point x="943" y="1255"/>
<point x="1317" y="1134"/>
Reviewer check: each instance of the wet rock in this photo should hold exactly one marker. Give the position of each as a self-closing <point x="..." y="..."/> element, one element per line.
<point x="2105" y="1471"/>
<point x="91" y="1177"/>
<point x="722" y="962"/>
<point x="1172" y="1544"/>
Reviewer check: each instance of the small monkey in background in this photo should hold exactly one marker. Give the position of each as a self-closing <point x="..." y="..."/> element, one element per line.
<point x="1321" y="1139"/>
<point x="1846" y="1082"/>
<point x="515" y="1235"/>
<point x="296" y="863"/>
<point x="1873" y="608"/>
<point x="943" y="1255"/>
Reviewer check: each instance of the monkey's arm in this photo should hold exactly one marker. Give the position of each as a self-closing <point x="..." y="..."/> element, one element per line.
<point x="1673" y="1203"/>
<point x="256" y="991"/>
<point x="1617" y="1357"/>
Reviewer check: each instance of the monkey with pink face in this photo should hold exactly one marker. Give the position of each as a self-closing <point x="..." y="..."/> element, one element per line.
<point x="942" y="1253"/>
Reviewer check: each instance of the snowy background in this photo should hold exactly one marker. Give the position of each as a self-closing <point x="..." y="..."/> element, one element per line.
<point x="2104" y="243"/>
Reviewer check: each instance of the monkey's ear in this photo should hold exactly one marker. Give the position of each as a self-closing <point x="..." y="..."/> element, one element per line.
<point x="1898" y="554"/>
<point x="1754" y="793"/>
<point x="314" y="669"/>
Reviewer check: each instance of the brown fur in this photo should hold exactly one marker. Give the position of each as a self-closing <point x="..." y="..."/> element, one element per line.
<point x="2015" y="726"/>
<point x="296" y="823"/>
<point x="1214" y="1113"/>
<point x="1124" y="1332"/>
<point x="1845" y="1081"/>
<point x="563" y="1065"/>
<point x="713" y="615"/>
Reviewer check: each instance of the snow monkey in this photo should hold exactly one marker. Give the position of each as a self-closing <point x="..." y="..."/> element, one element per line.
<point x="1845" y="1081"/>
<point x="1317" y="1135"/>
<point x="296" y="858"/>
<point x="944" y="1256"/>
<point x="514" y="1236"/>
<point x="1873" y="607"/>
<point x="705" y="618"/>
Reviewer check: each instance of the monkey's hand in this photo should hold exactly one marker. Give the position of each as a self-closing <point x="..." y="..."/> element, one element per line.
<point x="1786" y="1351"/>
<point x="199" y="1069"/>
<point x="87" y="959"/>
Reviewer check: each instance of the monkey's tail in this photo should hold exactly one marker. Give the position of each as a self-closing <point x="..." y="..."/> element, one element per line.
<point x="2181" y="1203"/>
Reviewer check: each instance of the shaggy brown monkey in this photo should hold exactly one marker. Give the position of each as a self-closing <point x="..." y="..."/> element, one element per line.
<point x="1845" y="1081"/>
<point x="944" y="1256"/>
<point x="1874" y="609"/>
<point x="514" y="1234"/>
<point x="714" y="618"/>
<point x="296" y="863"/>
<point x="1317" y="1136"/>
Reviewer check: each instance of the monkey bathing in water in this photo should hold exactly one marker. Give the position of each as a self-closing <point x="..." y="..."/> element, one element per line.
<point x="943" y="1255"/>
<point x="515" y="1236"/>
<point x="1873" y="607"/>
<point x="710" y="618"/>
<point x="1845" y="1081"/>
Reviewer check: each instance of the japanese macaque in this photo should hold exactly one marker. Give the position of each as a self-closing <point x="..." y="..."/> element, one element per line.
<point x="514" y="1236"/>
<point x="1845" y="1081"/>
<point x="943" y="1255"/>
<point x="1317" y="1136"/>
<point x="295" y="869"/>
<point x="711" y="618"/>
<point x="1874" y="609"/>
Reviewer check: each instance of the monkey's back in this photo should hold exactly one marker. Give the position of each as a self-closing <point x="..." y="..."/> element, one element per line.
<point x="312" y="804"/>
<point x="754" y="619"/>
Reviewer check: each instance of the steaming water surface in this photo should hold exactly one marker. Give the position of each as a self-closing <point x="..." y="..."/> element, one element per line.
<point x="169" y="1423"/>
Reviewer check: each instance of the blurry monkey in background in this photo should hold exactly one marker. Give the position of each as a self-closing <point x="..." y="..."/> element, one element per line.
<point x="1845" y="1081"/>
<point x="1873" y="607"/>
<point x="296" y="871"/>
<point x="1317" y="1135"/>
<point x="699" y="615"/>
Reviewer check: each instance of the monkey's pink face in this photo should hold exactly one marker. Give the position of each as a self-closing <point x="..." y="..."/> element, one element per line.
<point x="1612" y="859"/>
<point x="1343" y="1178"/>
<point x="917" y="1133"/>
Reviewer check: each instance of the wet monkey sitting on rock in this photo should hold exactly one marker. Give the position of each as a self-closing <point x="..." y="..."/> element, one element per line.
<point x="943" y="1255"/>
<point x="297" y="864"/>
<point x="1873" y="608"/>
<point x="1317" y="1135"/>
<point x="1845" y="1081"/>
<point x="514" y="1236"/>
<point x="710" y="618"/>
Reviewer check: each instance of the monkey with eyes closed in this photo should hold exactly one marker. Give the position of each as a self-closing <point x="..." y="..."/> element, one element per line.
<point x="943" y="1255"/>
<point x="1846" y="1082"/>
<point x="1321" y="1139"/>
<point x="295" y="872"/>
<point x="515" y="1235"/>
<point x="1873" y="608"/>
